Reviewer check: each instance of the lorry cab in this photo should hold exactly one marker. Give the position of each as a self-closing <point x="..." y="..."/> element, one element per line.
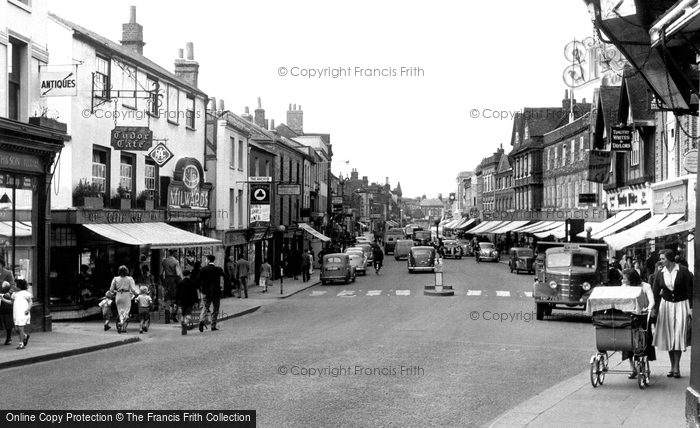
<point x="566" y="273"/>
<point x="390" y="238"/>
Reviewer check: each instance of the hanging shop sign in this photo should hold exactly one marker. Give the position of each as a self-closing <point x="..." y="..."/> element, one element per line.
<point x="259" y="213"/>
<point x="260" y="194"/>
<point x="599" y="166"/>
<point x="58" y="83"/>
<point x="690" y="161"/>
<point x="188" y="189"/>
<point x="621" y="138"/>
<point x="131" y="138"/>
<point x="160" y="154"/>
<point x="587" y="198"/>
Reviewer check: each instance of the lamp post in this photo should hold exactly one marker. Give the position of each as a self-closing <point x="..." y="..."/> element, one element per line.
<point x="281" y="229"/>
<point x="589" y="229"/>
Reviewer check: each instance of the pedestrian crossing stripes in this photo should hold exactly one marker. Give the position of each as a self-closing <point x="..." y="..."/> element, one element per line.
<point x="503" y="293"/>
<point x="474" y="293"/>
<point x="317" y="293"/>
<point x="375" y="293"/>
<point x="403" y="292"/>
<point x="346" y="293"/>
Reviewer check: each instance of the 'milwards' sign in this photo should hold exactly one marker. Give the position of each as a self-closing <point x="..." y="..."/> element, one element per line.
<point x="188" y="189"/>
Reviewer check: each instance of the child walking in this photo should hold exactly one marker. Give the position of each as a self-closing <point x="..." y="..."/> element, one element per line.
<point x="106" y="305"/>
<point x="144" y="302"/>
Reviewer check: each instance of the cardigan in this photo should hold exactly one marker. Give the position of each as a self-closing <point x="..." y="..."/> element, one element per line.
<point x="683" y="287"/>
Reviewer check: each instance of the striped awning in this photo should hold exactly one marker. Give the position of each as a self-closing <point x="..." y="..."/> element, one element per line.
<point x="468" y="222"/>
<point x="539" y="226"/>
<point x="508" y="226"/>
<point x="623" y="222"/>
<point x="686" y="226"/>
<point x="392" y="223"/>
<point x="486" y="226"/>
<point x="635" y="234"/>
<point x="155" y="235"/>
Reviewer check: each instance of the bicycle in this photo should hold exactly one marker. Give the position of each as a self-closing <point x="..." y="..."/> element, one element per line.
<point x="377" y="266"/>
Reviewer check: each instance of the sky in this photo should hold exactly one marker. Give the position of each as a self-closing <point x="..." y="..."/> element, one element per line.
<point x="467" y="68"/>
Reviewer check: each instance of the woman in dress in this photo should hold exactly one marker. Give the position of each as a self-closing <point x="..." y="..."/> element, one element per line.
<point x="673" y="292"/>
<point x="21" y="311"/>
<point x="125" y="289"/>
<point x="631" y="278"/>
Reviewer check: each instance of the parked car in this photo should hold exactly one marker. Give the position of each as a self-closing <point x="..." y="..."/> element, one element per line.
<point x="403" y="247"/>
<point x="487" y="251"/>
<point x="451" y="248"/>
<point x="367" y="248"/>
<point x="521" y="258"/>
<point x="422" y="258"/>
<point x="360" y="268"/>
<point x="337" y="267"/>
<point x="466" y="247"/>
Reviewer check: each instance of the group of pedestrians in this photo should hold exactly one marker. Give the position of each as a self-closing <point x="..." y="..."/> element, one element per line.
<point x="15" y="306"/>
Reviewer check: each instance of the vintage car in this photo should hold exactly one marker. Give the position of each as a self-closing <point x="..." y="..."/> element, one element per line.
<point x="390" y="238"/>
<point x="337" y="267"/>
<point x="521" y="258"/>
<point x="566" y="273"/>
<point x="422" y="258"/>
<point x="451" y="248"/>
<point x="466" y="245"/>
<point x="403" y="247"/>
<point x="360" y="267"/>
<point x="487" y="251"/>
<point x="422" y="237"/>
<point x="367" y="248"/>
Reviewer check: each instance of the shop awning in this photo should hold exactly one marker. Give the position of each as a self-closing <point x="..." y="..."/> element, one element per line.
<point x="314" y="232"/>
<point x="486" y="226"/>
<point x="597" y="227"/>
<point x="468" y="222"/>
<point x="155" y="235"/>
<point x="451" y="223"/>
<point x="635" y="234"/>
<point x="460" y="222"/>
<point x="391" y="223"/>
<point x="622" y="222"/>
<point x="361" y="224"/>
<point x="559" y="231"/>
<point x="539" y="226"/>
<point x="508" y="226"/>
<point x="686" y="226"/>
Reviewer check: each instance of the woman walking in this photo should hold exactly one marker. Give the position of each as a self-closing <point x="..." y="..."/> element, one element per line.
<point x="125" y="289"/>
<point x="673" y="292"/>
<point x="21" y="311"/>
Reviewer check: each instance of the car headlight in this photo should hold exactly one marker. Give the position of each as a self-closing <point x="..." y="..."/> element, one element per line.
<point x="586" y="286"/>
<point x="552" y="284"/>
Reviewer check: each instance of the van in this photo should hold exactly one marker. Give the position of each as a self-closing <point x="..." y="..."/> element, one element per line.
<point x="402" y="248"/>
<point x="390" y="238"/>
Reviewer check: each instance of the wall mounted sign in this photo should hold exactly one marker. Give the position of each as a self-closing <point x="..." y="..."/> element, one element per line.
<point x="20" y="162"/>
<point x="58" y="83"/>
<point x="188" y="189"/>
<point x="690" y="161"/>
<point x="587" y="198"/>
<point x="259" y="213"/>
<point x="160" y="154"/>
<point x="621" y="138"/>
<point x="289" y="189"/>
<point x="131" y="138"/>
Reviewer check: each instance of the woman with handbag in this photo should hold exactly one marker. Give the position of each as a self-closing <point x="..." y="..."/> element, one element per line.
<point x="125" y="289"/>
<point x="673" y="292"/>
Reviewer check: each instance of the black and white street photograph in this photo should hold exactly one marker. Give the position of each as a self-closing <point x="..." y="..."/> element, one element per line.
<point x="364" y="214"/>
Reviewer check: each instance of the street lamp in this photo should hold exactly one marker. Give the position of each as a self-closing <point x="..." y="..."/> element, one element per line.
<point x="281" y="229"/>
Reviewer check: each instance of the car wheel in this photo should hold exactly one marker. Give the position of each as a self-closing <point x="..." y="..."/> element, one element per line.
<point x="324" y="282"/>
<point x="353" y="278"/>
<point x="540" y="311"/>
<point x="347" y="279"/>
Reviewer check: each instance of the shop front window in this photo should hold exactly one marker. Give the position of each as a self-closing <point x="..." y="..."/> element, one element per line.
<point x="17" y="240"/>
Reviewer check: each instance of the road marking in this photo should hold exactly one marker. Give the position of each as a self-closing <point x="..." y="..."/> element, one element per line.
<point x="527" y="293"/>
<point x="346" y="293"/>
<point x="403" y="292"/>
<point x="317" y="293"/>
<point x="503" y="293"/>
<point x="374" y="292"/>
<point x="474" y="293"/>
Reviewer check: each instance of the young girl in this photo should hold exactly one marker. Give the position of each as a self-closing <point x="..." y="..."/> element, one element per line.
<point x="106" y="305"/>
<point x="21" y="311"/>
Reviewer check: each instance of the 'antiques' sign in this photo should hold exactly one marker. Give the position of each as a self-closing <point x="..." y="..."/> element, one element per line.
<point x="188" y="189"/>
<point x="621" y="138"/>
<point x="131" y="138"/>
<point x="57" y="84"/>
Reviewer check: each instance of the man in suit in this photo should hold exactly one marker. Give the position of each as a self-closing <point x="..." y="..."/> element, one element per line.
<point x="209" y="281"/>
<point x="242" y="273"/>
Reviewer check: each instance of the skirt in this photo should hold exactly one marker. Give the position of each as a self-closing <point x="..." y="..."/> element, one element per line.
<point x="672" y="326"/>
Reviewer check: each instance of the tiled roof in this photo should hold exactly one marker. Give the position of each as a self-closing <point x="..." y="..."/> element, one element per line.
<point x="127" y="54"/>
<point x="431" y="203"/>
<point x="637" y="92"/>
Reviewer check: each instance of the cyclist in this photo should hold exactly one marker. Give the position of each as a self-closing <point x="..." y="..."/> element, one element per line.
<point x="378" y="258"/>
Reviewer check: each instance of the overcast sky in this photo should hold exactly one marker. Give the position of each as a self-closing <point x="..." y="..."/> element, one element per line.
<point x="414" y="129"/>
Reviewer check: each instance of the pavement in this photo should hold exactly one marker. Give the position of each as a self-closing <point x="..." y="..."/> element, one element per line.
<point x="70" y="338"/>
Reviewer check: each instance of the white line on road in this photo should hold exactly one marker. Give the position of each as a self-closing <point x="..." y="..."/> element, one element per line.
<point x="503" y="293"/>
<point x="374" y="292"/>
<point x="474" y="293"/>
<point x="527" y="293"/>
<point x="403" y="292"/>
<point x="317" y="293"/>
<point x="346" y="293"/>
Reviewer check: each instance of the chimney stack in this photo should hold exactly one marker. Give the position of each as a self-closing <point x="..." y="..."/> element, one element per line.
<point x="247" y="115"/>
<point x="221" y="105"/>
<point x="212" y="104"/>
<point x="188" y="68"/>
<point x="132" y="33"/>
<point x="295" y="119"/>
<point x="272" y="124"/>
<point x="260" y="115"/>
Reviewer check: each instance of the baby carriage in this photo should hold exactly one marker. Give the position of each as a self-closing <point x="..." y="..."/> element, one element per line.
<point x="620" y="325"/>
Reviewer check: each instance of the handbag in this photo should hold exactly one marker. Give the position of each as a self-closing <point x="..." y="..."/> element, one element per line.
<point x="689" y="331"/>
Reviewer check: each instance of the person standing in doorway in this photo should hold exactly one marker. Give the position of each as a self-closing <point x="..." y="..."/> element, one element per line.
<point x="242" y="273"/>
<point x="172" y="274"/>
<point x="209" y="281"/>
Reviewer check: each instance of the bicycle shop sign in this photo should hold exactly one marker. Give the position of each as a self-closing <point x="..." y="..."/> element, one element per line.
<point x="131" y="138"/>
<point x="188" y="189"/>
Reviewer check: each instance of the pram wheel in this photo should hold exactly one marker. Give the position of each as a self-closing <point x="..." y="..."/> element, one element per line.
<point x="598" y="369"/>
<point x="644" y="372"/>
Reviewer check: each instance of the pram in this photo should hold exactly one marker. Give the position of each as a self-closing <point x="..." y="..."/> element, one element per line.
<point x="620" y="325"/>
